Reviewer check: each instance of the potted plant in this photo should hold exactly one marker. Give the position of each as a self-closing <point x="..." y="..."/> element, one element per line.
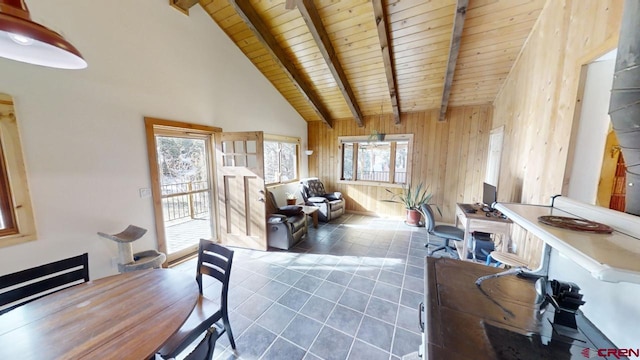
<point x="291" y="199"/>
<point x="412" y="198"/>
<point x="376" y="135"/>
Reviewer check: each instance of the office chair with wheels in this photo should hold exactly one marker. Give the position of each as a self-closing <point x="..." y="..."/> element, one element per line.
<point x="213" y="260"/>
<point x="444" y="231"/>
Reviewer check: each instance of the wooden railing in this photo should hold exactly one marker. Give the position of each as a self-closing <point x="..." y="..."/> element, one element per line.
<point x="185" y="200"/>
<point x="400" y="177"/>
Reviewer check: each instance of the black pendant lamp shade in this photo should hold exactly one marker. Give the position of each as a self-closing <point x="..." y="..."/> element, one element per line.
<point x="24" y="40"/>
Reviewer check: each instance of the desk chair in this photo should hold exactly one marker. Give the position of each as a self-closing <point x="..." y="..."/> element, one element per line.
<point x="27" y="285"/>
<point x="444" y="231"/>
<point x="213" y="260"/>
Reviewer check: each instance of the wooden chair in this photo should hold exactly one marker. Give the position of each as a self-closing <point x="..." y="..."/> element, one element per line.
<point x="213" y="260"/>
<point x="204" y="349"/>
<point x="27" y="285"/>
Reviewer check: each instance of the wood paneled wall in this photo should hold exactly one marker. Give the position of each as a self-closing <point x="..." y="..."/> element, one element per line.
<point x="538" y="100"/>
<point x="448" y="156"/>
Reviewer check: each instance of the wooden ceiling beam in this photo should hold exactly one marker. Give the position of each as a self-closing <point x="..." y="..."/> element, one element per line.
<point x="290" y="4"/>
<point x="454" y="49"/>
<point x="262" y="32"/>
<point x="314" y="23"/>
<point x="183" y="5"/>
<point x="383" y="34"/>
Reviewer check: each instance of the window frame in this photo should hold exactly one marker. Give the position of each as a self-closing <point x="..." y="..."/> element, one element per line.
<point x="288" y="140"/>
<point x="15" y="183"/>
<point x="391" y="138"/>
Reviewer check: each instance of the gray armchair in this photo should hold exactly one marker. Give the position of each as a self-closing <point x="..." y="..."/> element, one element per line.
<point x="330" y="205"/>
<point x="286" y="225"/>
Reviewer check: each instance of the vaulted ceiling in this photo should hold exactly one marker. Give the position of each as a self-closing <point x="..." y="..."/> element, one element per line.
<point x="335" y="59"/>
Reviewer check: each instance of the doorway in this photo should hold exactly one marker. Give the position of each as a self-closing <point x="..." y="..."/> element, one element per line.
<point x="590" y="141"/>
<point x="182" y="168"/>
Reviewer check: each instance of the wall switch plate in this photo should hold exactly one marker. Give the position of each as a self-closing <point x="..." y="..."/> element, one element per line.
<point x="145" y="193"/>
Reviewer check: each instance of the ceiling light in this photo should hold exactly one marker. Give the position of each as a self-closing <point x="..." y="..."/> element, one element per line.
<point x="24" y="40"/>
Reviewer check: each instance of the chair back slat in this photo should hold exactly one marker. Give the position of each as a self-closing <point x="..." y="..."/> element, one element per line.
<point x="214" y="260"/>
<point x="207" y="270"/>
<point x="33" y="283"/>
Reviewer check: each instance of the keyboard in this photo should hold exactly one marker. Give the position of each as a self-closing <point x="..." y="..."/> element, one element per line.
<point x="468" y="208"/>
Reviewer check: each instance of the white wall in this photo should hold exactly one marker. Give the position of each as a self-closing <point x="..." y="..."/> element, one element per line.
<point x="613" y="308"/>
<point x="592" y="132"/>
<point x="83" y="131"/>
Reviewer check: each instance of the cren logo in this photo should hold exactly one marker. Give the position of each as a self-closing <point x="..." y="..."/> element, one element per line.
<point x="589" y="353"/>
<point x="615" y="353"/>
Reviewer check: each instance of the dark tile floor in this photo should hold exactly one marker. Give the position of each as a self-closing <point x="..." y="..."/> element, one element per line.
<point x="349" y="290"/>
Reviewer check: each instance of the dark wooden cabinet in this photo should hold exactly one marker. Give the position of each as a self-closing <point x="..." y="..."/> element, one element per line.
<point x="504" y="319"/>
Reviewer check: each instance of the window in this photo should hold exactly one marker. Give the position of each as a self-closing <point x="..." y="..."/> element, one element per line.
<point x="376" y="161"/>
<point x="280" y="159"/>
<point x="16" y="215"/>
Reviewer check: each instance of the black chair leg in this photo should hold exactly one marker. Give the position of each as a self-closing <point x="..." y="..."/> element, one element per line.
<point x="452" y="251"/>
<point x="430" y="252"/>
<point x="227" y="329"/>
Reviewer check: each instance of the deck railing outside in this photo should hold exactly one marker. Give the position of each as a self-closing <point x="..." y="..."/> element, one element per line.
<point x="185" y="200"/>
<point x="400" y="177"/>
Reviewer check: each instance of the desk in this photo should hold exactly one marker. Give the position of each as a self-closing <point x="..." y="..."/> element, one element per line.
<point x="122" y="316"/>
<point x="462" y="323"/>
<point x="478" y="221"/>
<point x="313" y="212"/>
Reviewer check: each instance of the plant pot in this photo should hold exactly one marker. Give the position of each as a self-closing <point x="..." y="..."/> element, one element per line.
<point x="413" y="217"/>
<point x="380" y="137"/>
<point x="291" y="201"/>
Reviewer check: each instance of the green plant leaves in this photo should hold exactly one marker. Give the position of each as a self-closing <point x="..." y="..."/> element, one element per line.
<point x="411" y="198"/>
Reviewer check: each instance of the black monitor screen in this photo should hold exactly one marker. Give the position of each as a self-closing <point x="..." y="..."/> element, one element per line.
<point x="489" y="194"/>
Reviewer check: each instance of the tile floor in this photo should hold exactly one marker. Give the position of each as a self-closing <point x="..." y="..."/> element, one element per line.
<point x="349" y="290"/>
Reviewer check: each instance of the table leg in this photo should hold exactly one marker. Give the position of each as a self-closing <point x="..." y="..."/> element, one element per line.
<point x="314" y="216"/>
<point x="465" y="243"/>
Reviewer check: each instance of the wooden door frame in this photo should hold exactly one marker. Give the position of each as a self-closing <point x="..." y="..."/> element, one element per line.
<point x="153" y="124"/>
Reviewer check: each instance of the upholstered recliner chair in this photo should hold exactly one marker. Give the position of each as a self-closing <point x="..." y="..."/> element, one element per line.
<point x="330" y="205"/>
<point x="286" y="225"/>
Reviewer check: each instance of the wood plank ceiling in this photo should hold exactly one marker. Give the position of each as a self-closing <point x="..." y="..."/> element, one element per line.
<point x="335" y="59"/>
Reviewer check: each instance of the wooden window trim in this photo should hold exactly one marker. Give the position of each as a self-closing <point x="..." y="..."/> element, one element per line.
<point x="16" y="187"/>
<point x="392" y="139"/>
<point x="291" y="140"/>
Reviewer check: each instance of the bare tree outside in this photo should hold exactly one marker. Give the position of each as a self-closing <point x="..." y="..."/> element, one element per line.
<point x="280" y="162"/>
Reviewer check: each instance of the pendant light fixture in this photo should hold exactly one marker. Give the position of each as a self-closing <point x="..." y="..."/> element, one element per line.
<point x="21" y="39"/>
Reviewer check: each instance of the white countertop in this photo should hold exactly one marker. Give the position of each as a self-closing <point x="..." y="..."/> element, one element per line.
<point x="611" y="257"/>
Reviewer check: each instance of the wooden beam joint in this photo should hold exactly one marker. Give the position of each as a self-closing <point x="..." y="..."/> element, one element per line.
<point x="183" y="5"/>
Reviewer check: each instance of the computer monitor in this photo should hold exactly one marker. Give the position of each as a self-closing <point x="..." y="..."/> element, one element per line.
<point x="489" y="195"/>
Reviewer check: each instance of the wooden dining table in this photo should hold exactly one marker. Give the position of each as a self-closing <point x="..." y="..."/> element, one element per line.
<point x="125" y="316"/>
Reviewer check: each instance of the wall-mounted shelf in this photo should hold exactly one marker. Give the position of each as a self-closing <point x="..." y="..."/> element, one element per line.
<point x="611" y="257"/>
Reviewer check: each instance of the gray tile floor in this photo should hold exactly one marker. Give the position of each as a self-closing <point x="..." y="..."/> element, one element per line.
<point x="349" y="290"/>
